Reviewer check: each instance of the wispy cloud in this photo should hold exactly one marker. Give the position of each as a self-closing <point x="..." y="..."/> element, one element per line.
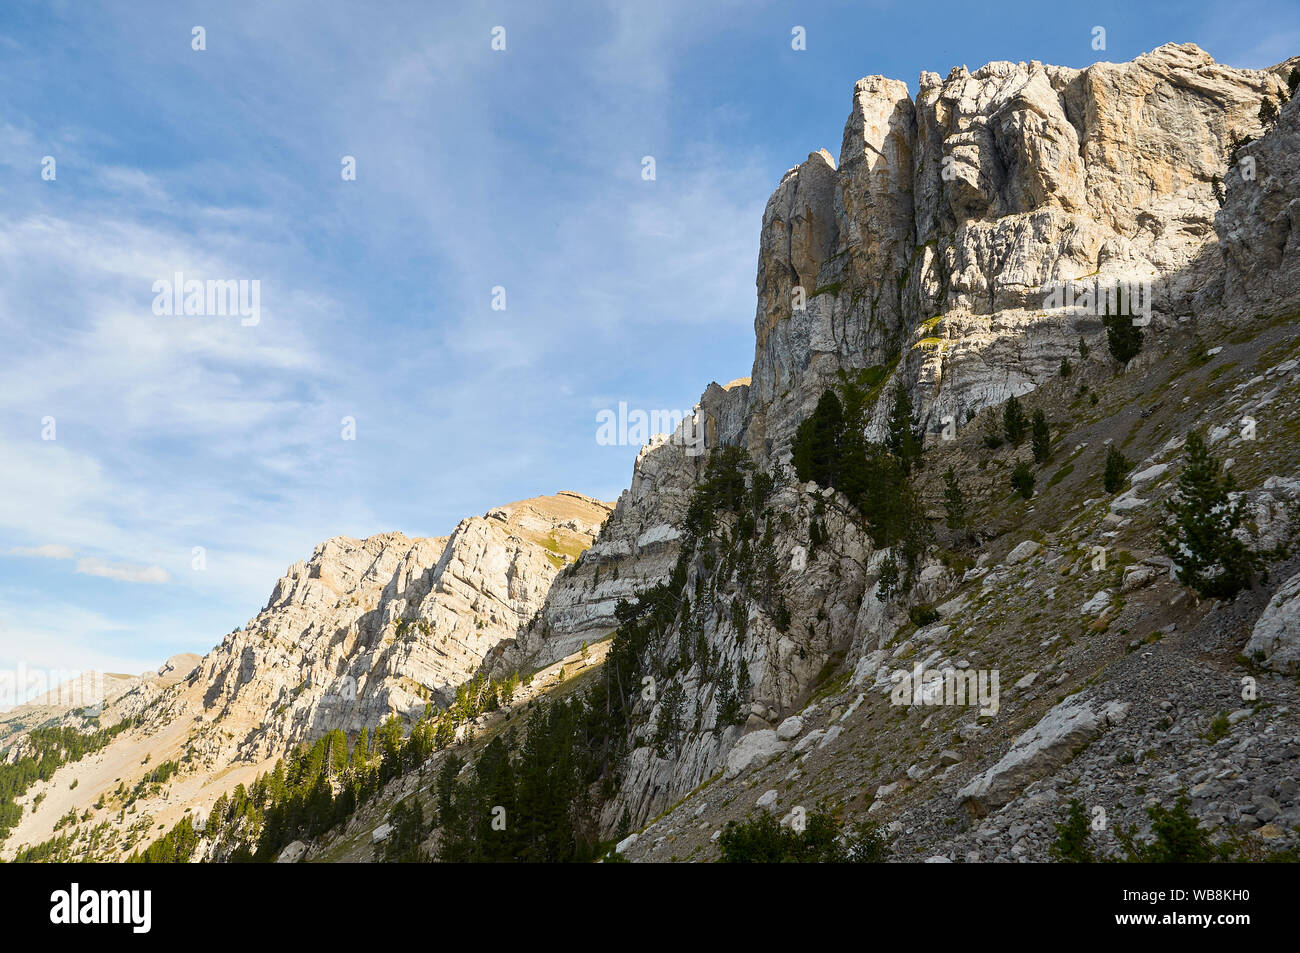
<point x="121" y="571"/>
<point x="49" y="551"/>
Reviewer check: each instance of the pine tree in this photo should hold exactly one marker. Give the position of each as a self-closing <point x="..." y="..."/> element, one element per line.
<point x="361" y="750"/>
<point x="1267" y="112"/>
<point x="917" y="533"/>
<point x="1066" y="369"/>
<point x="728" y="698"/>
<point x="445" y="733"/>
<point x="901" y="438"/>
<point x="1014" y="424"/>
<point x="338" y="745"/>
<point x="403" y="844"/>
<point x="1200" y="537"/>
<point x="817" y="442"/>
<point x="992" y="432"/>
<point x="1117" y="467"/>
<point x="1071" y="844"/>
<point x="1178" y="838"/>
<point x="455" y="840"/>
<point x="1123" y="337"/>
<point x="887" y="585"/>
<point x="1041" y="439"/>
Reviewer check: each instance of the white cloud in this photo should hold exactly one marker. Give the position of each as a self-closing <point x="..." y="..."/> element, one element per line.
<point x="50" y="551"/>
<point x="122" y="572"/>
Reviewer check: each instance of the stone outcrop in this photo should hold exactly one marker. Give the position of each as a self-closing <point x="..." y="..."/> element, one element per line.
<point x="1058" y="737"/>
<point x="1259" y="223"/>
<point x="1275" y="640"/>
<point x="638" y="543"/>
<point x="370" y="628"/>
<point x="953" y="213"/>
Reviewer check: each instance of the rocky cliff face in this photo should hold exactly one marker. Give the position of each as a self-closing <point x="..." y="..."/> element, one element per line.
<point x="637" y="545"/>
<point x="928" y="253"/>
<point x="1259" y="224"/>
<point x="361" y="631"/>
<point x="929" y="250"/>
<point x="370" y="628"/>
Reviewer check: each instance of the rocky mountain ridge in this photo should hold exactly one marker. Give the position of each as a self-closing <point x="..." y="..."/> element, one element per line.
<point x="362" y="631"/>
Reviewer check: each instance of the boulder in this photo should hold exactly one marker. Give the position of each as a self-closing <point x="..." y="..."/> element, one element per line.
<point x="1022" y="552"/>
<point x="1275" y="640"/>
<point x="1061" y="733"/>
<point x="292" y="853"/>
<point x="754" y="749"/>
<point x="790" y="728"/>
<point x="1097" y="604"/>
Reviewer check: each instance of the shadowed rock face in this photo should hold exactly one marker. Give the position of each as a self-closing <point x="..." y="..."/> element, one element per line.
<point x="1259" y="224"/>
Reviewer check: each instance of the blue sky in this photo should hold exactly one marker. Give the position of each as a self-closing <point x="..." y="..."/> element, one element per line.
<point x="475" y="169"/>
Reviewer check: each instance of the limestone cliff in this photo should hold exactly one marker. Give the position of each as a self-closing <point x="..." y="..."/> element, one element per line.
<point x="361" y="631"/>
<point x="926" y="253"/>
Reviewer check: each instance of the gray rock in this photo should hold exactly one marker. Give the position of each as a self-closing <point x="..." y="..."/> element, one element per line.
<point x="1276" y="636"/>
<point x="790" y="728"/>
<point x="754" y="749"/>
<point x="1058" y="736"/>
<point x="1022" y="552"/>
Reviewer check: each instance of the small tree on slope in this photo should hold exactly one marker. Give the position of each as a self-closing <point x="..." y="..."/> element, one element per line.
<point x="1199" y="537"/>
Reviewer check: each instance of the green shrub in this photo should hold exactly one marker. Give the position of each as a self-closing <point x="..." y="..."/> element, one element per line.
<point x="1040" y="438"/>
<point x="1071" y="845"/>
<point x="1022" y="480"/>
<point x="762" y="840"/>
<point x="887" y="585"/>
<point x="1014" y="423"/>
<point x="1177" y="838"/>
<point x="1122" y="337"/>
<point x="922" y="615"/>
